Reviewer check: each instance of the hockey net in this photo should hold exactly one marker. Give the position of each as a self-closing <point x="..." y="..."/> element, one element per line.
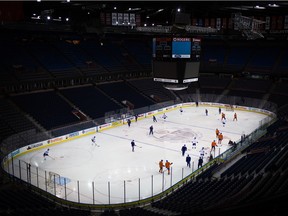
<point x="229" y="108"/>
<point x="53" y="179"/>
<point x="54" y="184"/>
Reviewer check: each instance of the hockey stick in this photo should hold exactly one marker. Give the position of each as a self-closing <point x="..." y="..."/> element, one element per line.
<point x="51" y="157"/>
<point x="95" y="144"/>
<point x="138" y="146"/>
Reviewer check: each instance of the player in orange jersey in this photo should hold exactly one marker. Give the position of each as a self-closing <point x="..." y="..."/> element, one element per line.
<point x="223" y="116"/>
<point x="161" y="165"/>
<point x="217" y="132"/>
<point x="235" y="117"/>
<point x="213" y="145"/>
<point x="168" y="165"/>
<point x="220" y="138"/>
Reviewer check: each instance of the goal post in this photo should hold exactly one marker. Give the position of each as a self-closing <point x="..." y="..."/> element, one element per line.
<point x="53" y="179"/>
<point x="54" y="183"/>
<point x="57" y="184"/>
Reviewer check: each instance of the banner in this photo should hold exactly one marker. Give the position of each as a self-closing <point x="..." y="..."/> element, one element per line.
<point x="126" y="19"/>
<point x="114" y="19"/>
<point x="267" y="24"/>
<point x="286" y="22"/>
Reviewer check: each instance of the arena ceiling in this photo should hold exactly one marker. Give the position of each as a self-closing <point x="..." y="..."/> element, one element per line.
<point x="158" y="12"/>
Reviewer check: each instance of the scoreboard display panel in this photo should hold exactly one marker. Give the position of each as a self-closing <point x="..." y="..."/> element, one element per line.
<point x="191" y="72"/>
<point x="196" y="49"/>
<point x="175" y="72"/>
<point x="162" y="48"/>
<point x="165" y="71"/>
<point x="173" y="49"/>
<point x="176" y="60"/>
<point x="181" y="48"/>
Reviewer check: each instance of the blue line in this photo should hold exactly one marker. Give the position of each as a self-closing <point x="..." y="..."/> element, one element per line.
<point x="194" y="155"/>
<point x="141" y="142"/>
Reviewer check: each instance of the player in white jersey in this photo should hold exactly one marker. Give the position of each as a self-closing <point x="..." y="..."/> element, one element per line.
<point x="224" y="122"/>
<point x="94" y="141"/>
<point x="194" y="143"/>
<point x="164" y="117"/>
<point x="202" y="152"/>
<point x="46" y="153"/>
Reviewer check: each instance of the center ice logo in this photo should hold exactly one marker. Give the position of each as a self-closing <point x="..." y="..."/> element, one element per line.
<point x="176" y="134"/>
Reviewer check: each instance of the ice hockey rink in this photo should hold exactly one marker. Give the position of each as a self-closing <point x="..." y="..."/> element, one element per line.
<point x="111" y="173"/>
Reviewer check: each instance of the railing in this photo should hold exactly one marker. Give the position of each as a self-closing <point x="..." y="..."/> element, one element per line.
<point x="168" y="29"/>
<point x="126" y="193"/>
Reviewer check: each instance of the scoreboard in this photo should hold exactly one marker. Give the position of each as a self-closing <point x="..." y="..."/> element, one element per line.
<point x="181" y="48"/>
<point x="176" y="48"/>
<point x="162" y="48"/>
<point x="176" y="60"/>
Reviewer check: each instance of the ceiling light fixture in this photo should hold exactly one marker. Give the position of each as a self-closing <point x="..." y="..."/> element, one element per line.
<point x="273" y="5"/>
<point x="259" y="7"/>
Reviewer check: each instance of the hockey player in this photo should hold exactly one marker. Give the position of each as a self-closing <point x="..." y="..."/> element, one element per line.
<point x="154" y="119"/>
<point x="164" y="116"/>
<point x="235" y="117"/>
<point x="133" y="145"/>
<point x="188" y="161"/>
<point x="202" y="152"/>
<point x="220" y="138"/>
<point x="161" y="165"/>
<point x="213" y="145"/>
<point x="93" y="140"/>
<point x="46" y="153"/>
<point x="219" y="110"/>
<point x="129" y="122"/>
<point x="183" y="149"/>
<point x="181" y="110"/>
<point x="194" y="143"/>
<point x="223" y="116"/>
<point x="206" y="112"/>
<point x="151" y="130"/>
<point x="168" y="165"/>
<point x="224" y="122"/>
<point x="217" y="132"/>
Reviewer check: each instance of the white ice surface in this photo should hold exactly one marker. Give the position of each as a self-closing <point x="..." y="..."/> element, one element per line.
<point x="114" y="161"/>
